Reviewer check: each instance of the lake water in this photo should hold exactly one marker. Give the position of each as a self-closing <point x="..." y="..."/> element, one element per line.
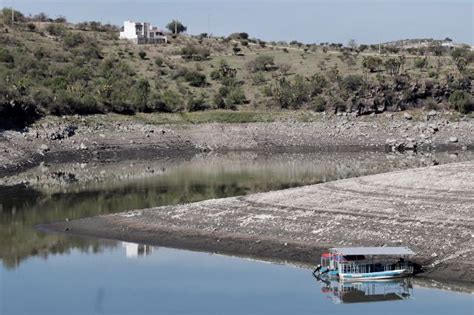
<point x="54" y="274"/>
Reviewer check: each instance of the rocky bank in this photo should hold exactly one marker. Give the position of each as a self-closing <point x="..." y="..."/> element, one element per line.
<point x="114" y="138"/>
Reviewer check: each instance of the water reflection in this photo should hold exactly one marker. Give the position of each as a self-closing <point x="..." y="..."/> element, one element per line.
<point x="169" y="281"/>
<point x="370" y="291"/>
<point x="163" y="182"/>
<point x="133" y="250"/>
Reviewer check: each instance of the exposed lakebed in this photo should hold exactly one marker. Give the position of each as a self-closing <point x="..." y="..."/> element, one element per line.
<point x="36" y="265"/>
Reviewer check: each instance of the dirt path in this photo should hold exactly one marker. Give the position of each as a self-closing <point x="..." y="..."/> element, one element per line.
<point x="430" y="209"/>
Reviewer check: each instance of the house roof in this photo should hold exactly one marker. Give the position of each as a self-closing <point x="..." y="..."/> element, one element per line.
<point x="373" y="251"/>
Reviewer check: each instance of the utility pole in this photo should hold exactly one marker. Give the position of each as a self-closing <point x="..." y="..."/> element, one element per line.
<point x="13" y="15"/>
<point x="208" y="26"/>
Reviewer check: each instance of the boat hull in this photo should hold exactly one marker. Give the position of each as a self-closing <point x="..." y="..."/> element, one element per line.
<point x="374" y="275"/>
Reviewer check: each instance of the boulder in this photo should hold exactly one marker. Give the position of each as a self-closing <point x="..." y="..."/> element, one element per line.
<point x="453" y="139"/>
<point x="44" y="148"/>
<point x="407" y="116"/>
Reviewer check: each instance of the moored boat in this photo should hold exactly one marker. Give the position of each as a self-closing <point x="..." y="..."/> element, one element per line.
<point x="365" y="263"/>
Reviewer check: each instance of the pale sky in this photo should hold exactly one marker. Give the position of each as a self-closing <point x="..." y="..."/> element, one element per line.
<point x="368" y="21"/>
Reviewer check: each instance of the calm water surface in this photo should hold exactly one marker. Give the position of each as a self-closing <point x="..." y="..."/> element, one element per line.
<point x="168" y="281"/>
<point x="54" y="274"/>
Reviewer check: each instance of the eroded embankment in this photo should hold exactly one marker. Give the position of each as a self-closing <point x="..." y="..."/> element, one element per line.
<point x="428" y="209"/>
<point x="112" y="138"/>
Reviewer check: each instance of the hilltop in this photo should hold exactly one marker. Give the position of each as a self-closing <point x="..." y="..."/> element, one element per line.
<point x="52" y="67"/>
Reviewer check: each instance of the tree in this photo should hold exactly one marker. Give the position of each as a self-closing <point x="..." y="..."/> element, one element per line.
<point x="176" y="27"/>
<point x="372" y="63"/>
<point x="41" y="17"/>
<point x="352" y="44"/>
<point x="393" y="65"/>
<point x="17" y="16"/>
<point x="461" y="64"/>
<point x="143" y="91"/>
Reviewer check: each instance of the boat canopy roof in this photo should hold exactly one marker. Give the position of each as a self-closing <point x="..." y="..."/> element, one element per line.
<point x="389" y="251"/>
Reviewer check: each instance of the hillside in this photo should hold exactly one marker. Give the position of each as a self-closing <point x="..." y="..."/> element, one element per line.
<point x="57" y="68"/>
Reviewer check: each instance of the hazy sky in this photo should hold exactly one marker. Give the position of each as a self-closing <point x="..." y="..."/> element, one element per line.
<point x="368" y="21"/>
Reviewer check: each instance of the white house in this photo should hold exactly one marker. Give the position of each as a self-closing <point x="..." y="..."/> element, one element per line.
<point x="142" y="33"/>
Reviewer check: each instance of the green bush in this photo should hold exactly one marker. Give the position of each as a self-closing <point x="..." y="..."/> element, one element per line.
<point x="197" y="104"/>
<point x="73" y="39"/>
<point x="195" y="53"/>
<point x="317" y="84"/>
<point x="318" y="104"/>
<point x="6" y="56"/>
<point x="159" y="61"/>
<point x="56" y="29"/>
<point x="142" y="55"/>
<point x="171" y="101"/>
<point x="223" y="72"/>
<point x="462" y="101"/>
<point x="229" y="96"/>
<point x="195" y="78"/>
<point x="261" y="63"/>
<point x="420" y="63"/>
<point x="352" y="82"/>
<point x="372" y="63"/>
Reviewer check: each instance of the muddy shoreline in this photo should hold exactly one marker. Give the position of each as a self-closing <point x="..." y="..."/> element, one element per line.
<point x="293" y="225"/>
<point x="111" y="139"/>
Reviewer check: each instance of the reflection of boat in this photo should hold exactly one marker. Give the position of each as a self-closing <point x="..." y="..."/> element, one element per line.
<point x="365" y="263"/>
<point x="368" y="291"/>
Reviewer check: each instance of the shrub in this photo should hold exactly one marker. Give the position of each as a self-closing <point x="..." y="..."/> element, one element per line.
<point x="420" y="63"/>
<point x="338" y="104"/>
<point x="197" y="104"/>
<point x="190" y="52"/>
<point x="261" y="63"/>
<point x="352" y="82"/>
<point x="462" y="101"/>
<point x="195" y="78"/>
<point x="39" y="53"/>
<point x="317" y="84"/>
<point x="224" y="71"/>
<point x="171" y="101"/>
<point x="56" y="29"/>
<point x="258" y="79"/>
<point x="73" y="39"/>
<point x="236" y="49"/>
<point x="6" y="56"/>
<point x="159" y="61"/>
<point x="319" y="104"/>
<point x="372" y="63"/>
<point x="229" y="96"/>
<point x="393" y="65"/>
<point x="237" y="36"/>
<point x="142" y="55"/>
<point x="31" y="27"/>
<point x="287" y="94"/>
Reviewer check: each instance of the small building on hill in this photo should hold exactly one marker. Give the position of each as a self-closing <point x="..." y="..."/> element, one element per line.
<point x="142" y="33"/>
